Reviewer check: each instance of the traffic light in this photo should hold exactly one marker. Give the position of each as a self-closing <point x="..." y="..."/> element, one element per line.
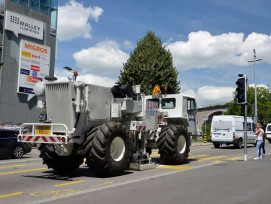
<point x="241" y="90"/>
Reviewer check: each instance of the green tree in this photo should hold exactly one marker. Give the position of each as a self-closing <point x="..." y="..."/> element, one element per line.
<point x="263" y="104"/>
<point x="149" y="64"/>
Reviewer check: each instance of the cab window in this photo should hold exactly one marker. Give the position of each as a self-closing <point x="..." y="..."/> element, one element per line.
<point x="168" y="103"/>
<point x="191" y="106"/>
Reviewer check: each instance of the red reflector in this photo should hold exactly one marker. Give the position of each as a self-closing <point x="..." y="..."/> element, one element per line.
<point x="63" y="139"/>
<point x="233" y="135"/>
<point x="20" y="138"/>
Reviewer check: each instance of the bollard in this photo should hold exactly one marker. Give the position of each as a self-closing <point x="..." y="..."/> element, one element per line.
<point x="204" y="138"/>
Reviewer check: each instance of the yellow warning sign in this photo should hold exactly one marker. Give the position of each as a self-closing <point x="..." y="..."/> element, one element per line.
<point x="156" y="89"/>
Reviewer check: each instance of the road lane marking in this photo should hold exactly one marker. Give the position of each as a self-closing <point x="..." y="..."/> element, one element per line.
<point x="11" y="194"/>
<point x="54" y="193"/>
<point x="101" y="184"/>
<point x="69" y="183"/>
<point x="219" y="161"/>
<point x="234" y="158"/>
<point x="22" y="171"/>
<point x="177" y="167"/>
<point x="19" y="160"/>
<point x="11" y="166"/>
<point x="211" y="158"/>
<point x="193" y="156"/>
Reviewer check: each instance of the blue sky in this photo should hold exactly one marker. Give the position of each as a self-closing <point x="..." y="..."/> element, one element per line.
<point x="210" y="40"/>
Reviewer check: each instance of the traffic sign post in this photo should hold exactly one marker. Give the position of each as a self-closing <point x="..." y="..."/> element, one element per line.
<point x="241" y="95"/>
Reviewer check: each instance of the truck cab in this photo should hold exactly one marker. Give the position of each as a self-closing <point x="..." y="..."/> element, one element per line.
<point x="175" y="109"/>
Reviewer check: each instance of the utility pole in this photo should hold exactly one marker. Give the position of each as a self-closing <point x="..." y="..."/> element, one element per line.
<point x="255" y="87"/>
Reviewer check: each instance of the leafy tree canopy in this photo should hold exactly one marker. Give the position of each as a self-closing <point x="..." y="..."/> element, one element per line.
<point x="263" y="104"/>
<point x="149" y="64"/>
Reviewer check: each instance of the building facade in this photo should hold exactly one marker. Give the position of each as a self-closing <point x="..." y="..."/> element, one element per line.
<point x="27" y="51"/>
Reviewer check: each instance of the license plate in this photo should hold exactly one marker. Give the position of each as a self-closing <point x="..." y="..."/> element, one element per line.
<point x="43" y="130"/>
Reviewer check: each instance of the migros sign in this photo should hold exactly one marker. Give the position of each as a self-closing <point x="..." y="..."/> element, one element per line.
<point x="36" y="48"/>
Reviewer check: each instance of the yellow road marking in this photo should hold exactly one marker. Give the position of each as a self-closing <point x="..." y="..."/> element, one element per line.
<point x="21" y="171"/>
<point x="11" y="166"/>
<point x="55" y="193"/>
<point x="219" y="161"/>
<point x="69" y="183"/>
<point x="11" y="194"/>
<point x="84" y="161"/>
<point x="211" y="158"/>
<point x="235" y="158"/>
<point x="101" y="184"/>
<point x="177" y="167"/>
<point x="192" y="156"/>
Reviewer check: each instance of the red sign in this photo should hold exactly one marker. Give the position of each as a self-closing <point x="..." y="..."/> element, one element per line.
<point x="35" y="68"/>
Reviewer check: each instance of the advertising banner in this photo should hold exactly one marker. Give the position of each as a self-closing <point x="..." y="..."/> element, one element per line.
<point x="34" y="65"/>
<point x="24" y="25"/>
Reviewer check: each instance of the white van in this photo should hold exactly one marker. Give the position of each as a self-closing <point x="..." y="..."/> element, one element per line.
<point x="268" y="132"/>
<point x="229" y="129"/>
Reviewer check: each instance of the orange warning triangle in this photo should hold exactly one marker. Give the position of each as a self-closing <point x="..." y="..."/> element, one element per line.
<point x="156" y="89"/>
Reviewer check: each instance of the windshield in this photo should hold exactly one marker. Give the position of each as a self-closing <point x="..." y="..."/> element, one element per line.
<point x="168" y="103"/>
<point x="222" y="125"/>
<point x="268" y="128"/>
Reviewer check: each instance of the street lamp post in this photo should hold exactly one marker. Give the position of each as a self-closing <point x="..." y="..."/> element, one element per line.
<point x="255" y="86"/>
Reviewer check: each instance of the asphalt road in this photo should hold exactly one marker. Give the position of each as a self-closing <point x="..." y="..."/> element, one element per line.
<point x="210" y="176"/>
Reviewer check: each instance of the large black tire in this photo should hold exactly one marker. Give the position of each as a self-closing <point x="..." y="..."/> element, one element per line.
<point x="62" y="165"/>
<point x="174" y="144"/>
<point x="109" y="149"/>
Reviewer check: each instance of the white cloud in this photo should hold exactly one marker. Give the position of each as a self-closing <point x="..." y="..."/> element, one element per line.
<point x="105" y="58"/>
<point x="73" y="20"/>
<point x="203" y="50"/>
<point x="211" y="95"/>
<point x="87" y="78"/>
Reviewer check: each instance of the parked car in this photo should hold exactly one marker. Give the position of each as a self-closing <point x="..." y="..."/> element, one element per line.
<point x="9" y="147"/>
<point x="268" y="132"/>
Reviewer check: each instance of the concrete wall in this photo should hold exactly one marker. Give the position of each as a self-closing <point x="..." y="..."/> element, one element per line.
<point x="14" y="106"/>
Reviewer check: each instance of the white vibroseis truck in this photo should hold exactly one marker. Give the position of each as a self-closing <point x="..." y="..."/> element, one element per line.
<point x="109" y="127"/>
